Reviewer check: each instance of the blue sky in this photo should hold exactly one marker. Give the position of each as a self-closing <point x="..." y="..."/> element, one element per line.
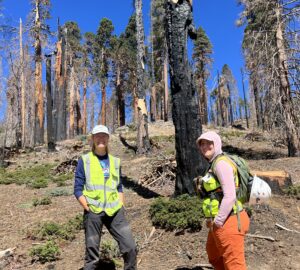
<point x="217" y="17"/>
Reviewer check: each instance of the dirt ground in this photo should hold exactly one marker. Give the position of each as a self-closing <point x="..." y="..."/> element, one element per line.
<point x="164" y="250"/>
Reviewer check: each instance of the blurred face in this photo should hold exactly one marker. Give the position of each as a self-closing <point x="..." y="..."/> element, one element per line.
<point x="100" y="141"/>
<point x="207" y="149"/>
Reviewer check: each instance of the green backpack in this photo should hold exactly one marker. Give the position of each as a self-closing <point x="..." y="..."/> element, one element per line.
<point x="245" y="177"/>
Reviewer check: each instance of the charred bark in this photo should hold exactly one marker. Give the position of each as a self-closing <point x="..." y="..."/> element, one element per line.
<point x="23" y="91"/>
<point x="71" y="102"/>
<point x="166" y="89"/>
<point x="120" y="100"/>
<point x="103" y="104"/>
<point x="92" y="112"/>
<point x="185" y="107"/>
<point x="39" y="101"/>
<point x="245" y="99"/>
<point x="78" y="117"/>
<point x="62" y="108"/>
<point x="230" y="105"/>
<point x="84" y="118"/>
<point x="50" y="133"/>
<point x="258" y="112"/>
<point x="153" y="104"/>
<point x="60" y="91"/>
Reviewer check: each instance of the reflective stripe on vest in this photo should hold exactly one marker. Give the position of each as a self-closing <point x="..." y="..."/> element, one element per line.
<point x="100" y="204"/>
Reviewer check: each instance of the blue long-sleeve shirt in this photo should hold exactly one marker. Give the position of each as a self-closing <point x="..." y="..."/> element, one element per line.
<point x="80" y="175"/>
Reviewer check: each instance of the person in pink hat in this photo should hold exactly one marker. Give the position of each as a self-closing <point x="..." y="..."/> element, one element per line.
<point x="227" y="221"/>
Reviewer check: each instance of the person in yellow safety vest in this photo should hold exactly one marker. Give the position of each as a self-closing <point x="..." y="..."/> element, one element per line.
<point x="227" y="221"/>
<point x="98" y="188"/>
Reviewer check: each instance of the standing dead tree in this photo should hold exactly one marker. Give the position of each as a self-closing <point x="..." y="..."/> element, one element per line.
<point x="271" y="55"/>
<point x="185" y="107"/>
<point x="143" y="142"/>
<point x="60" y="103"/>
<point x="39" y="101"/>
<point x="50" y="133"/>
<point x="23" y="91"/>
<point x="159" y="63"/>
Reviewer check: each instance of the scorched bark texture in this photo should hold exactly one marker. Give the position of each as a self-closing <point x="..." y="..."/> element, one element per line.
<point x="185" y="108"/>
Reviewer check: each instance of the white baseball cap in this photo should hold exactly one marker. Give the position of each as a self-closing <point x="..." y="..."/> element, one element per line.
<point x="100" y="129"/>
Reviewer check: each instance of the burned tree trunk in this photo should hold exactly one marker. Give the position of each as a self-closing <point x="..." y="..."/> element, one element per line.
<point x="50" y="133"/>
<point x="92" y="110"/>
<point x="62" y="109"/>
<point x="39" y="102"/>
<point x="103" y="104"/>
<point x="185" y="107"/>
<point x="79" y="122"/>
<point x="202" y="98"/>
<point x="84" y="118"/>
<point x="166" y="88"/>
<point x="23" y="97"/>
<point x="60" y="90"/>
<point x="258" y="111"/>
<point x="71" y="91"/>
<point x="143" y="142"/>
<point x="230" y="105"/>
<point x="245" y="99"/>
<point x="153" y="104"/>
<point x="120" y="100"/>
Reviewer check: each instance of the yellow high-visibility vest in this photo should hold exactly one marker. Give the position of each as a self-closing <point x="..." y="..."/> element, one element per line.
<point x="212" y="186"/>
<point x="101" y="194"/>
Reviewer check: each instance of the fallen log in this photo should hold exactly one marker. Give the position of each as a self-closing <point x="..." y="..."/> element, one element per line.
<point x="278" y="180"/>
<point x="261" y="237"/>
<point x="286" y="229"/>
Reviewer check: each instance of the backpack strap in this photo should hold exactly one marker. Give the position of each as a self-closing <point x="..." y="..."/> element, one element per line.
<point x="226" y="158"/>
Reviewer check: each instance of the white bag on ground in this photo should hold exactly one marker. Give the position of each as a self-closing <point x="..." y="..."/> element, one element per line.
<point x="260" y="191"/>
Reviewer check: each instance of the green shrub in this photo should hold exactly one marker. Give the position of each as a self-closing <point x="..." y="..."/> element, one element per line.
<point x="61" y="179"/>
<point x="163" y="138"/>
<point x="38" y="183"/>
<point x="293" y="191"/>
<point x="36" y="176"/>
<point x="60" y="192"/>
<point x="183" y="212"/>
<point x="47" y="230"/>
<point x="109" y="250"/>
<point x="76" y="223"/>
<point x="50" y="230"/>
<point x="42" y="201"/>
<point x="45" y="253"/>
<point x="231" y="134"/>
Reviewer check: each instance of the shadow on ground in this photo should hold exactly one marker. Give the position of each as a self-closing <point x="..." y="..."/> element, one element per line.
<point x="105" y="265"/>
<point x="145" y="192"/>
<point x="193" y="268"/>
<point x="252" y="154"/>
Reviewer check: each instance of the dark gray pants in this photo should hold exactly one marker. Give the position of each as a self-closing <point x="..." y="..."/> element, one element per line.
<point x="118" y="227"/>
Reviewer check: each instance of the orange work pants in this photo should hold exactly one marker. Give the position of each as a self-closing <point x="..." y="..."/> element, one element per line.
<point x="225" y="245"/>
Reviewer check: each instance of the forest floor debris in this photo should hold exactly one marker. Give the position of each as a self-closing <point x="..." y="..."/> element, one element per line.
<point x="161" y="250"/>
